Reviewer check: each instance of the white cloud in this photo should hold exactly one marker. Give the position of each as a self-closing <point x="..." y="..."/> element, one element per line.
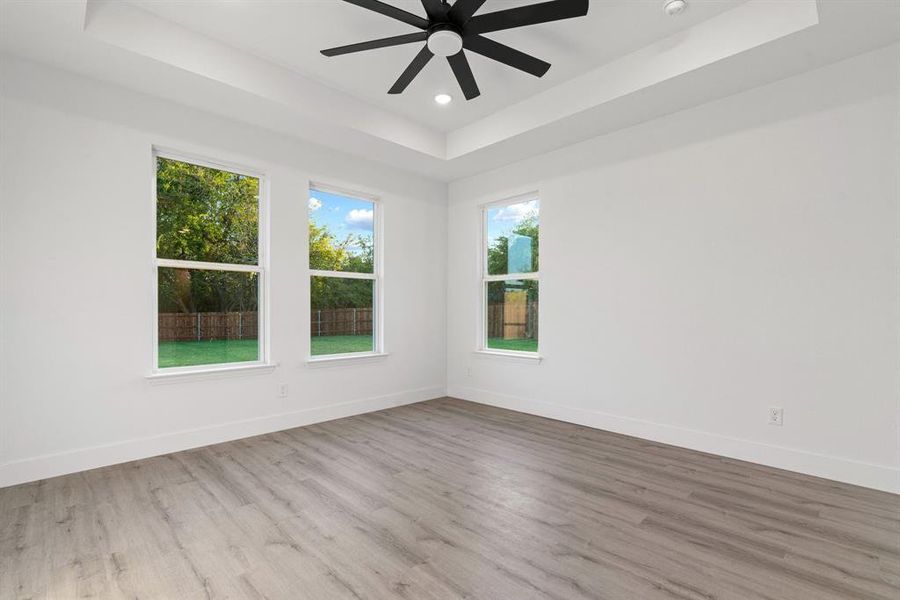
<point x="314" y="203"/>
<point x="517" y="212"/>
<point x="360" y="218"/>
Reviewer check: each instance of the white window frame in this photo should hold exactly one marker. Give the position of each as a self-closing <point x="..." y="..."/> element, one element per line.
<point x="260" y="268"/>
<point x="376" y="276"/>
<point x="486" y="278"/>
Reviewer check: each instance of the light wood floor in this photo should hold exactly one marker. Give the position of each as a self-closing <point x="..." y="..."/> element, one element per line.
<point x="446" y="499"/>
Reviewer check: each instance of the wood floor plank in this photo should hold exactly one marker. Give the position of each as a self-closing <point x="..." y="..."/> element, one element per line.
<point x="447" y="500"/>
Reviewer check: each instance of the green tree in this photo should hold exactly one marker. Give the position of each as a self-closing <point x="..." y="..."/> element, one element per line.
<point x="209" y="215"/>
<point x="355" y="253"/>
<point x="205" y="214"/>
<point x="325" y="252"/>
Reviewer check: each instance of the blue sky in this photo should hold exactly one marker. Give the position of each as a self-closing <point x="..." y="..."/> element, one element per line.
<point x="342" y="215"/>
<point x="503" y="219"/>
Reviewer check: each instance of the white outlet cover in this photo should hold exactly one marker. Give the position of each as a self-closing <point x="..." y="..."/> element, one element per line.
<point x="776" y="416"/>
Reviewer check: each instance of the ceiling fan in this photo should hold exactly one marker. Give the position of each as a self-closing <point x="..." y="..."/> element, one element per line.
<point x="449" y="30"/>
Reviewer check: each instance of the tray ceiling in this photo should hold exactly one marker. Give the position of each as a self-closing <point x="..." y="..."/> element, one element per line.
<point x="258" y="61"/>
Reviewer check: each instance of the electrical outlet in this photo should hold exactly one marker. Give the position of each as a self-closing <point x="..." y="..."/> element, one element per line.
<point x="283" y="390"/>
<point x="776" y="416"/>
<point x="469" y="372"/>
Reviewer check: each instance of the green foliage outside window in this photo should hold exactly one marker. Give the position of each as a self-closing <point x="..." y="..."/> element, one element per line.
<point x="209" y="215"/>
<point x="205" y="214"/>
<point x="352" y="254"/>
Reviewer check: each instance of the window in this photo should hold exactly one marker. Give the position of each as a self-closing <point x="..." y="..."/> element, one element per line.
<point x="510" y="277"/>
<point x="344" y="278"/>
<point x="209" y="274"/>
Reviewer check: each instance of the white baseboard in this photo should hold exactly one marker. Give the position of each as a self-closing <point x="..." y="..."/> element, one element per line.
<point x="870" y="475"/>
<point x="51" y="465"/>
<point x="880" y="477"/>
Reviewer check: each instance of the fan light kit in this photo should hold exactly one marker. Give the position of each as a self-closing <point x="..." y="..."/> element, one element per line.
<point x="675" y="7"/>
<point x="449" y="30"/>
<point x="445" y="42"/>
<point x="443" y="98"/>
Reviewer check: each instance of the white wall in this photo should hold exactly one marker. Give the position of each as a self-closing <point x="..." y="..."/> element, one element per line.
<point x="75" y="281"/>
<point x="703" y="267"/>
<point x="733" y="257"/>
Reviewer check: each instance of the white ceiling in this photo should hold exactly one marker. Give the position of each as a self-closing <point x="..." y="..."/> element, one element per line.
<point x="258" y="61"/>
<point x="292" y="34"/>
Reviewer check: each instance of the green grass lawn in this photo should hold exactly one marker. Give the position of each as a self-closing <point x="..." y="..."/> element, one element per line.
<point x="341" y="344"/>
<point x="184" y="354"/>
<point x="523" y="345"/>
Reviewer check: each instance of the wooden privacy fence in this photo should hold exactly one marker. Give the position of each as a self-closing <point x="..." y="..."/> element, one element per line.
<point x="510" y="320"/>
<point x="341" y="321"/>
<point x="182" y="327"/>
<point x="513" y="320"/>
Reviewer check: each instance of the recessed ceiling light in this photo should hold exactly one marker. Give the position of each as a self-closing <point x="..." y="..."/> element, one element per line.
<point x="675" y="7"/>
<point x="443" y="98"/>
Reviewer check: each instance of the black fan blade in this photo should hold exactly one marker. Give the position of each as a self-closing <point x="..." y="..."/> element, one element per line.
<point x="435" y="9"/>
<point x="527" y="15"/>
<point x="417" y="64"/>
<point x="392" y="11"/>
<point x="419" y="36"/>
<point x="463" y="10"/>
<point x="506" y="55"/>
<point x="460" y="65"/>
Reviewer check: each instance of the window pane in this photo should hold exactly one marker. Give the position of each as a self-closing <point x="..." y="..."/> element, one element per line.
<point x="512" y="238"/>
<point x="342" y="319"/>
<point x="207" y="317"/>
<point x="341" y="233"/>
<point x="205" y="214"/>
<point x="512" y="315"/>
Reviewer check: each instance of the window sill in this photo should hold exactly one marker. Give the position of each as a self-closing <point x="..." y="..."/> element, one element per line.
<point x="337" y="360"/>
<point x="526" y="357"/>
<point x="210" y="373"/>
